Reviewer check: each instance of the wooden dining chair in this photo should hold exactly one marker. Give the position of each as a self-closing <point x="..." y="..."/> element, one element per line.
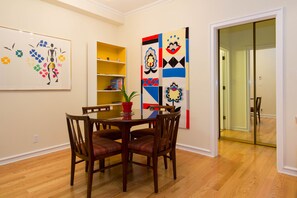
<point x="150" y="130"/>
<point x="162" y="143"/>
<point x="88" y="148"/>
<point x="257" y="109"/>
<point x="106" y="131"/>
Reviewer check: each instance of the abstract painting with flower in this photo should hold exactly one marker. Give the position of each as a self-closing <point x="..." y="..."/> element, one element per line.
<point x="165" y="72"/>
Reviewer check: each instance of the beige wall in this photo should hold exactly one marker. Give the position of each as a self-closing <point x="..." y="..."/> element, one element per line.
<point x="25" y="113"/>
<point x="198" y="15"/>
<point x="42" y="112"/>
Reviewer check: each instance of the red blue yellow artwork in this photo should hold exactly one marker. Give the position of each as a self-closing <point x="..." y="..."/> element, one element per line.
<point x="31" y="61"/>
<point x="165" y="72"/>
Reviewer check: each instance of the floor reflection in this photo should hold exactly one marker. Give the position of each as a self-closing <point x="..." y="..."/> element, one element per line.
<point x="266" y="132"/>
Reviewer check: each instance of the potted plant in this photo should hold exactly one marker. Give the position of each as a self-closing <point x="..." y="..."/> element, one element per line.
<point x="127" y="104"/>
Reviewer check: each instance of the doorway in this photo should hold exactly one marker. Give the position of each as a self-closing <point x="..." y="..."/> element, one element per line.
<point x="214" y="80"/>
<point x="247" y="82"/>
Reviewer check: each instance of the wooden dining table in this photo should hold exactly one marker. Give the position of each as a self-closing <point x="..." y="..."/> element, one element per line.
<point x="125" y="122"/>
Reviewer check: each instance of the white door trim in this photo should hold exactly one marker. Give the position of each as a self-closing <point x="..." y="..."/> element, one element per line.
<point x="280" y="133"/>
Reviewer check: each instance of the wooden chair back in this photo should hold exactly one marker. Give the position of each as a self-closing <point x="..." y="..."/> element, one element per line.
<point x="80" y="136"/>
<point x="166" y="132"/>
<point x="93" y="109"/>
<point x="258" y="104"/>
<point x="258" y="108"/>
<point x="162" y="108"/>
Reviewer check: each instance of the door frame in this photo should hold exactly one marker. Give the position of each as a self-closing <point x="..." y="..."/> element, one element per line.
<point x="214" y="97"/>
<point x="225" y="105"/>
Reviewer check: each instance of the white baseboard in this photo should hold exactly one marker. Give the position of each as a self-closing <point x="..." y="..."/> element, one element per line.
<point x="35" y="153"/>
<point x="194" y="149"/>
<point x="289" y="171"/>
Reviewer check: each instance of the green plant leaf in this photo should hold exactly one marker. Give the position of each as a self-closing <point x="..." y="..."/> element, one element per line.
<point x="128" y="98"/>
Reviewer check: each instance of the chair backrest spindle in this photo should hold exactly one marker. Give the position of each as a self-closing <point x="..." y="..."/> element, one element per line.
<point x="166" y="131"/>
<point x="93" y="109"/>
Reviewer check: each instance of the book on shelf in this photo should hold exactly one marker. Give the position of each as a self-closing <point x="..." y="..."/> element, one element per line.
<point x="116" y="83"/>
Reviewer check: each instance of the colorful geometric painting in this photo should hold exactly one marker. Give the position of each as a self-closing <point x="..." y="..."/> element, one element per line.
<point x="33" y="61"/>
<point x="165" y="72"/>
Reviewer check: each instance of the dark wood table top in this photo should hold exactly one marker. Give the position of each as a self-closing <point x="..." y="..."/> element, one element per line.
<point x="117" y="116"/>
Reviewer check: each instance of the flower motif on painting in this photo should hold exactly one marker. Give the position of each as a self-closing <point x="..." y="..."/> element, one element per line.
<point x="173" y="93"/>
<point x="150" y="61"/>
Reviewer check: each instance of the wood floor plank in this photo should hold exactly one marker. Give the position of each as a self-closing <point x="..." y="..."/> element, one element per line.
<point x="240" y="170"/>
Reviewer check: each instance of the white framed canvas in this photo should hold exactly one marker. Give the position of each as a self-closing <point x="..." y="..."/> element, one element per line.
<point x="30" y="61"/>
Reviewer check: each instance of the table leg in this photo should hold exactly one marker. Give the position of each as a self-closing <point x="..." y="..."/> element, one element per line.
<point x="125" y="153"/>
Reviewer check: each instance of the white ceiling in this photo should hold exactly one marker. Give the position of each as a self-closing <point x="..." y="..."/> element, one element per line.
<point x="126" y="6"/>
<point x="113" y="11"/>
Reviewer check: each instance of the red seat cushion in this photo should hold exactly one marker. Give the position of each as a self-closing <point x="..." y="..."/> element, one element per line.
<point x="143" y="144"/>
<point x="104" y="146"/>
<point x="113" y="134"/>
<point x="142" y="132"/>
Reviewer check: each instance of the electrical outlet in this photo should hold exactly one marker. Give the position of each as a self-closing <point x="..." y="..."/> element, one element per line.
<point x="35" y="138"/>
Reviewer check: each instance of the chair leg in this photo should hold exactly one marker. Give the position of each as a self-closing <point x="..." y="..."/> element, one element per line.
<point x="102" y="165"/>
<point x="130" y="157"/>
<point x="259" y="116"/>
<point x="90" y="179"/>
<point x="130" y="153"/>
<point x="86" y="168"/>
<point x="72" y="169"/>
<point x="165" y="161"/>
<point x="155" y="169"/>
<point x="173" y="163"/>
<point x="148" y="161"/>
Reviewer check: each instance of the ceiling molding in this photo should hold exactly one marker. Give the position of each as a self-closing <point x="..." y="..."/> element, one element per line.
<point x="91" y="8"/>
<point x="148" y="6"/>
<point x="101" y="11"/>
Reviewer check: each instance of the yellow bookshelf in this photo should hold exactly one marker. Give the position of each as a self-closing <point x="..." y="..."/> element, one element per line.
<point x="109" y="64"/>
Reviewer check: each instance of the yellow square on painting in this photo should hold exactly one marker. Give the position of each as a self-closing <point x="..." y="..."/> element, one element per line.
<point x="174" y="43"/>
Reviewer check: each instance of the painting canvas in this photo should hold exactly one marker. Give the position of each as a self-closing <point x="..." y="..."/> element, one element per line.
<point x="31" y="61"/>
<point x="165" y="72"/>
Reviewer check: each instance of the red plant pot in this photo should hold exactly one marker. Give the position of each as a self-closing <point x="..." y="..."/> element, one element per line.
<point x="127" y="107"/>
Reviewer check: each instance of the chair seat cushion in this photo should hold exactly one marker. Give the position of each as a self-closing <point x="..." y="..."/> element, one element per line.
<point x="142" y="132"/>
<point x="103" y="146"/>
<point x="113" y="134"/>
<point x="142" y="144"/>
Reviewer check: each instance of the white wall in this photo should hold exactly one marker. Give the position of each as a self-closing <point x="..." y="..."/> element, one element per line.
<point x="25" y="113"/>
<point x="198" y="15"/>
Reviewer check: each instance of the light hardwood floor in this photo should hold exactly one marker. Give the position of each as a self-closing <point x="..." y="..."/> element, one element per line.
<point x="240" y="170"/>
<point x="266" y="132"/>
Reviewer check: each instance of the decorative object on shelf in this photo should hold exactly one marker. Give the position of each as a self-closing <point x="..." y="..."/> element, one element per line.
<point x="127" y="105"/>
<point x="107" y="58"/>
<point x="31" y="61"/>
<point x="109" y="87"/>
<point x="165" y="72"/>
<point x="116" y="83"/>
